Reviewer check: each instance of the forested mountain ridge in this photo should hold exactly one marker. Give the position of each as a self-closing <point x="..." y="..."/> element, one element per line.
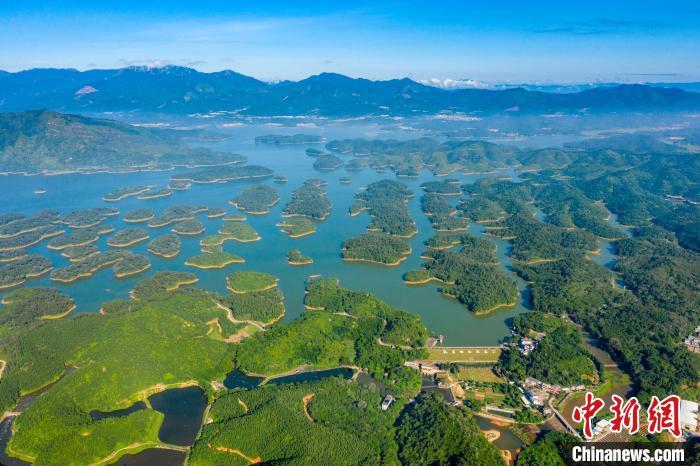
<point x="46" y="141"/>
<point x="176" y="89"/>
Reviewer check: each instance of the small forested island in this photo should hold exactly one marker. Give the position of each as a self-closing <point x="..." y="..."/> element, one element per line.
<point x="214" y="260"/>
<point x="297" y="227"/>
<point x="356" y="165"/>
<point x="190" y="227"/>
<point x="256" y="200"/>
<point x="87" y="218"/>
<point x="78" y="253"/>
<point x="12" y="255"/>
<point x="155" y="194"/>
<point x="80" y="237"/>
<point x="212" y="243"/>
<point x="225" y="174"/>
<point x="376" y="247"/>
<point x="123" y="263"/>
<point x="472" y="275"/>
<point x="27" y="305"/>
<point x="22" y="241"/>
<point x="448" y="224"/>
<point x="443" y="188"/>
<point x="386" y="202"/>
<point x="288" y="139"/>
<point x="310" y="200"/>
<point x="234" y="218"/>
<point x="176" y="213"/>
<point x="139" y="215"/>
<point x="435" y="204"/>
<point x="162" y="282"/>
<point x="327" y="162"/>
<point x="247" y="282"/>
<point x="127" y="237"/>
<point x="10" y="217"/>
<point x="17" y="272"/>
<point x="16" y="226"/>
<point x="295" y="257"/>
<point x="166" y="246"/>
<point x="130" y="264"/>
<point x="122" y="193"/>
<point x="216" y="212"/>
<point x="239" y="231"/>
<point x="26" y="240"/>
<point x="179" y="185"/>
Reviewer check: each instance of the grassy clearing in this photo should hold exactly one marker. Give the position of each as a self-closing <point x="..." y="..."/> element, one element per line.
<point x="479" y="374"/>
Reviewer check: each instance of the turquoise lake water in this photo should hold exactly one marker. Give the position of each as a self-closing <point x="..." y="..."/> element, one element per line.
<point x="74" y="191"/>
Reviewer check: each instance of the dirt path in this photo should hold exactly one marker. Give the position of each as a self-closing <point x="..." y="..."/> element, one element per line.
<point x="134" y="446"/>
<point x="255" y="460"/>
<point x="3" y="365"/>
<point x="403" y="347"/>
<point x="229" y="316"/>
<point x="242" y="403"/>
<point x="306" y="400"/>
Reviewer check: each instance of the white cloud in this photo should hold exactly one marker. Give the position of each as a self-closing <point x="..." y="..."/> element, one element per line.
<point x="449" y="83"/>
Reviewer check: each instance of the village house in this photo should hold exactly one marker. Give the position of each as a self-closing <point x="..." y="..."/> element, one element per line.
<point x="692" y="342"/>
<point x="386" y="403"/>
<point x="527" y="345"/>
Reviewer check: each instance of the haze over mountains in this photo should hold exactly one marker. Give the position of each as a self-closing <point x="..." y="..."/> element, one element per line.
<point x="44" y="141"/>
<point x="173" y="89"/>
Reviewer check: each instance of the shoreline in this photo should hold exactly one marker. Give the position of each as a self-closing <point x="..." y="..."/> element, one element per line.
<point x="235" y="291"/>
<point x="126" y="245"/>
<point x="26" y="276"/>
<point x="428" y="280"/>
<point x="74" y="245"/>
<point x="497" y="307"/>
<point x="233" y="238"/>
<point x="217" y="266"/>
<point x="138" y="220"/>
<point x="387" y="264"/>
<point x="164" y="256"/>
<point x="188" y="233"/>
<point x="309" y="262"/>
<point x="135" y="272"/>
<point x="124" y="196"/>
<point x="147" y="197"/>
<point x="59" y="316"/>
<point x="12" y="259"/>
<point x="88" y="273"/>
<point x="33" y="243"/>
<point x="126" y="171"/>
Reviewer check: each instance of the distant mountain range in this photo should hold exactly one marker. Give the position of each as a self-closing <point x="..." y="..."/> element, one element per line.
<point x="175" y="89"/>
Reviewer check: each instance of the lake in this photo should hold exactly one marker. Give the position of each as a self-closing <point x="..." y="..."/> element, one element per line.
<point x="75" y="191"/>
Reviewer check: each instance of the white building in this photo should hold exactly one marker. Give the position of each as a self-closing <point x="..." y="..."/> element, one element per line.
<point x="388" y="400"/>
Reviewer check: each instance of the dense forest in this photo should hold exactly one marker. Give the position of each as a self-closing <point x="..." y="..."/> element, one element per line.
<point x="376" y="247"/>
<point x="429" y="432"/>
<point x="257" y="199"/>
<point x="558" y="358"/>
<point x="309" y="200"/>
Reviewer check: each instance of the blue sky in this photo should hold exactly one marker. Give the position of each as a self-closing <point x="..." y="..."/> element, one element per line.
<point x="504" y="41"/>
